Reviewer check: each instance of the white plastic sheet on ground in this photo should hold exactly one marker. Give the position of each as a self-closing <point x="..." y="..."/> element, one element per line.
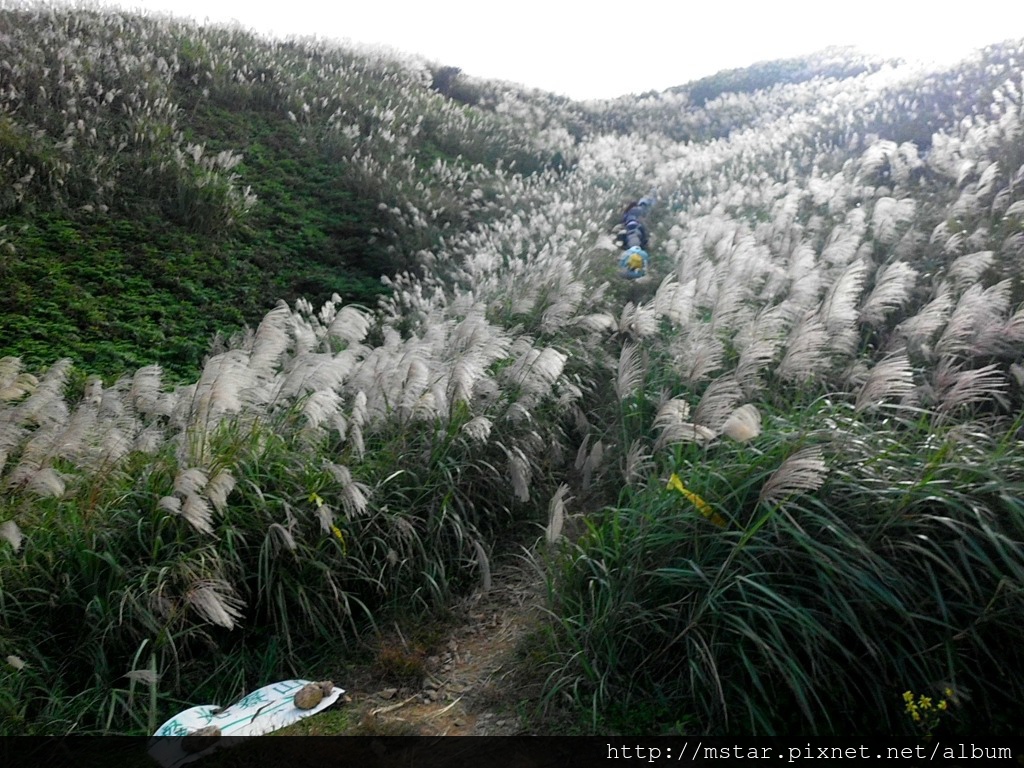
<point x="262" y="711"/>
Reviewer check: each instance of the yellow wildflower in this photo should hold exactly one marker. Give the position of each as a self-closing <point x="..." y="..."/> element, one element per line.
<point x="925" y="713"/>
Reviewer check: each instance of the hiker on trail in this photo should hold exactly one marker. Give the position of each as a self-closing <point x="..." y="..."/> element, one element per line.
<point x="634" y="263"/>
<point x="633" y="237"/>
<point x="633" y="231"/>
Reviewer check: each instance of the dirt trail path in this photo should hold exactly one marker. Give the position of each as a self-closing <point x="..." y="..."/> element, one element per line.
<point x="474" y="684"/>
<point x="477" y="680"/>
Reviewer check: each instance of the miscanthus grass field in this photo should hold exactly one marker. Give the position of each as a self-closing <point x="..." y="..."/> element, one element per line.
<point x="775" y="487"/>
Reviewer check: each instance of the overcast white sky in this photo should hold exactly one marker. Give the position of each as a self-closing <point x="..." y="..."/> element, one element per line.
<point x="599" y="49"/>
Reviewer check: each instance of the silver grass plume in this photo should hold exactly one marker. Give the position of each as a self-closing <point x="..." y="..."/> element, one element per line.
<point x="350" y="325"/>
<point x="955" y="387"/>
<point x="956" y="243"/>
<point x="219" y="488"/>
<point x="718" y="402"/>
<point x="638" y="461"/>
<point x="673" y="411"/>
<point x="170" y="504"/>
<point x="196" y="512"/>
<point x="304" y="339"/>
<point x="271" y="341"/>
<point x="591" y="462"/>
<point x="145" y="676"/>
<point x="325" y="515"/>
<point x="940" y="234"/>
<point x="976" y="321"/>
<point x="919" y="329"/>
<point x="1017" y="371"/>
<point x="45" y="404"/>
<point x="464" y="374"/>
<point x="14" y="383"/>
<point x="569" y="396"/>
<point x="520" y="473"/>
<point x="75" y="440"/>
<point x="414" y="387"/>
<point x="804" y="276"/>
<point x="964" y="172"/>
<point x="908" y="247"/>
<point x="316" y="372"/>
<point x="979" y="238"/>
<point x="839" y="311"/>
<point x="729" y="308"/>
<point x="1013" y="246"/>
<point x="760" y="344"/>
<point x="987" y="180"/>
<point x="674" y="300"/>
<point x="537" y="370"/>
<point x="637" y="321"/>
<point x="967" y="269"/>
<point x="353" y="494"/>
<point x="743" y="424"/>
<point x="8" y="437"/>
<point x="484" y="564"/>
<point x="190" y="480"/>
<point x="356" y="421"/>
<point x="324" y="407"/>
<point x="630" y="371"/>
<point x="472" y="347"/>
<point x="145" y="393"/>
<point x="876" y="157"/>
<point x="1012" y="332"/>
<point x="34" y="469"/>
<point x="892" y="377"/>
<point x="219" y="390"/>
<point x="567" y="301"/>
<point x="47" y="481"/>
<point x="595" y="322"/>
<point x="478" y="429"/>
<point x="11" y="533"/>
<point x="892" y="290"/>
<point x="119" y="425"/>
<point x="807" y="351"/>
<point x="841" y="247"/>
<point x="697" y="353"/>
<point x="582" y="452"/>
<point x="556" y="514"/>
<point x="802" y="472"/>
<point x="216" y="602"/>
<point x="189" y="483"/>
<point x="888" y="215"/>
<point x="149" y="439"/>
<point x="671" y="421"/>
<point x="281" y="538"/>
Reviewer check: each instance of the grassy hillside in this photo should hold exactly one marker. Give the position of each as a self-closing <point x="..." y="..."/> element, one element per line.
<point x="203" y="174"/>
<point x="775" y="485"/>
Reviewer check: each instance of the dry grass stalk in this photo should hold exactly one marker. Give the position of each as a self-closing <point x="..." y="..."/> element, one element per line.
<point x="801" y="472"/>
